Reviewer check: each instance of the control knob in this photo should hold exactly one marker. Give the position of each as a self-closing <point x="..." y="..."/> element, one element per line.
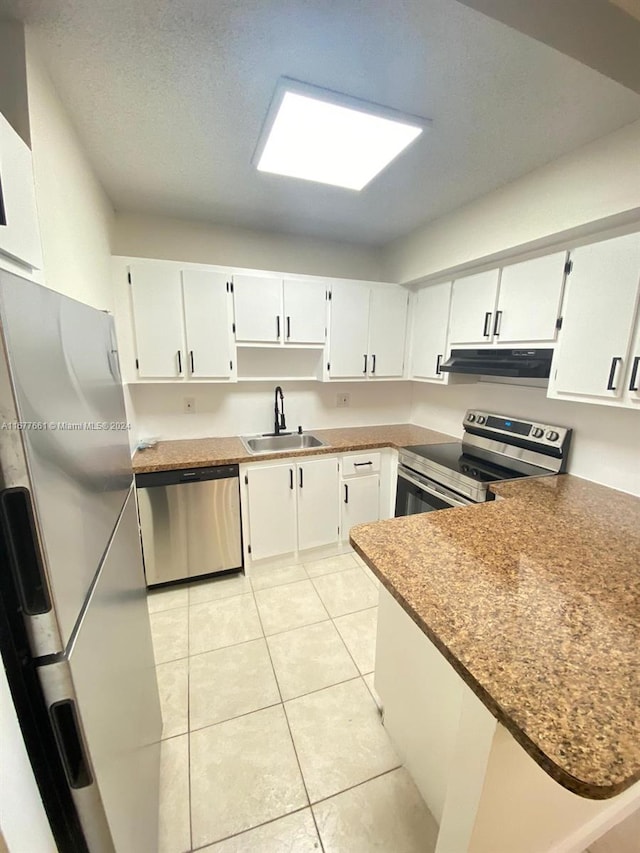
<point x="471" y="417"/>
<point x="552" y="435"/>
<point x="537" y="432"/>
<point x="480" y="419"/>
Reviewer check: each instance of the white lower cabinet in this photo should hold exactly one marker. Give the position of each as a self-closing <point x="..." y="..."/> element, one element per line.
<point x="318" y="514"/>
<point x="360" y="501"/>
<point x="292" y="506"/>
<point x="271" y="493"/>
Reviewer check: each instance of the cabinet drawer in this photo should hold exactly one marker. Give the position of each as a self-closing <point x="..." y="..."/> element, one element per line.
<point x="362" y="463"/>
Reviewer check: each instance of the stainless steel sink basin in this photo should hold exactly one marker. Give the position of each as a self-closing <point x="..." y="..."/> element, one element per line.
<point x="277" y="443"/>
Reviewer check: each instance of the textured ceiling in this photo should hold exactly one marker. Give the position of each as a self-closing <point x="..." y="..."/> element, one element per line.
<point x="169" y="96"/>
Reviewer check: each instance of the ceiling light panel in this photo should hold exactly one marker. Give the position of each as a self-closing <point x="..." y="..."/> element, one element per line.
<point x="332" y="139"/>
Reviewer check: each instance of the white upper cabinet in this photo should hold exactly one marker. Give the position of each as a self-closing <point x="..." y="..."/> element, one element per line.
<point x="594" y="357"/>
<point x="258" y="309"/>
<point x="387" y="332"/>
<point x="367" y="331"/>
<point x="318" y="511"/>
<point x="19" y="231"/>
<point x="473" y="305"/>
<point x="429" y="337"/>
<point x="348" y="353"/>
<point x="207" y="324"/>
<point x="529" y="300"/>
<point x="305" y="311"/>
<point x="157" y="313"/>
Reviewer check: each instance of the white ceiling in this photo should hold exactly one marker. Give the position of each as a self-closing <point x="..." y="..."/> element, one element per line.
<point x="169" y="96"/>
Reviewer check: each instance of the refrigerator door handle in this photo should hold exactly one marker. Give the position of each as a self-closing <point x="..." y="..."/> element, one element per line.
<point x="23" y="548"/>
<point x="64" y="719"/>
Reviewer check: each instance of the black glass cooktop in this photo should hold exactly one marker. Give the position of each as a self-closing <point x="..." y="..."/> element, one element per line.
<point x="451" y="457"/>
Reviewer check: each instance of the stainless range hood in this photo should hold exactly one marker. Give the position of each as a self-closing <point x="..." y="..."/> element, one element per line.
<point x="513" y="363"/>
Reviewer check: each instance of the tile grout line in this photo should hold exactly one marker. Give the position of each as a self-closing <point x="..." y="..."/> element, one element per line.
<point x="357" y="785"/>
<point x="251" y="828"/>
<point x="284" y="711"/>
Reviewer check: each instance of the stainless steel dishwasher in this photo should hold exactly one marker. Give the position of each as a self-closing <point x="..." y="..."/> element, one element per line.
<point x="190" y="522"/>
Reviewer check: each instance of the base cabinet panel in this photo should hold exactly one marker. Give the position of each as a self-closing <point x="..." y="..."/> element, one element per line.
<point x="318" y="513"/>
<point x="360" y="501"/>
<point x="272" y="510"/>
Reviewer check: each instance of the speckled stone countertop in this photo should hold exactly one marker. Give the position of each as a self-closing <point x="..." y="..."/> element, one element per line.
<point x="535" y="602"/>
<point x="200" y="452"/>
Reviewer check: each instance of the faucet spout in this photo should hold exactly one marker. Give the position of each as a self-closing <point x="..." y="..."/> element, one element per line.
<point x="279" y="422"/>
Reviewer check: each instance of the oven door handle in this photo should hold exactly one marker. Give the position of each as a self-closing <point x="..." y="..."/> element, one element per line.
<point x="444" y="496"/>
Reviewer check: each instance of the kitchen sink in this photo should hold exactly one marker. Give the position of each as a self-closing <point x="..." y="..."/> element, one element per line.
<point x="277" y="443"/>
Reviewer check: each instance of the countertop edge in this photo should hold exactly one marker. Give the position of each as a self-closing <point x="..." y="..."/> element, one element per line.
<point x="567" y="780"/>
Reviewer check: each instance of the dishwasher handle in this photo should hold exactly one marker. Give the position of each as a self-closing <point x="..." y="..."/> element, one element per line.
<point x="186" y="475"/>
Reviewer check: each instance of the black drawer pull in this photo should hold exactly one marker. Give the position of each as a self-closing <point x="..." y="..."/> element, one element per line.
<point x="179" y="354"/>
<point x="346" y="493"/>
<point x="612" y="373"/>
<point x="291" y="478"/>
<point x="301" y="478"/>
<point x="373" y="359"/>
<point x="360" y="464"/>
<point x="288" y="327"/>
<point x="278" y="327"/>
<point x="191" y="358"/>
<point x="497" y="324"/>
<point x="365" y="364"/>
<point x="438" y="363"/>
<point x="487" y="325"/>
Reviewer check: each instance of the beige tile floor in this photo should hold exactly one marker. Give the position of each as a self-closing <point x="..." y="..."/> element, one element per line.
<point x="272" y="740"/>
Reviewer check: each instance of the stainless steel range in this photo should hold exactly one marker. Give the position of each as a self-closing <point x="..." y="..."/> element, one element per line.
<point x="494" y="448"/>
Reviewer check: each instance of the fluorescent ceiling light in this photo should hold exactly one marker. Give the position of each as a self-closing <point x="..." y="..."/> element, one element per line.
<point x="321" y="136"/>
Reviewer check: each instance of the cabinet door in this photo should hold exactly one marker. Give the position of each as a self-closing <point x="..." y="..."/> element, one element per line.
<point x="272" y="510"/>
<point x="19" y="231"/>
<point x="258" y="309"/>
<point x="387" y="331"/>
<point x="529" y="300"/>
<point x="430" y="321"/>
<point x="598" y="319"/>
<point x="305" y="312"/>
<point x="348" y="349"/>
<point x="157" y="319"/>
<point x="360" y="501"/>
<point x="318" y="511"/>
<point x="206" y="316"/>
<point x="473" y="303"/>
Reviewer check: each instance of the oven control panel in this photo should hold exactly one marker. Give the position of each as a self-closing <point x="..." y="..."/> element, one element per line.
<point x="501" y="425"/>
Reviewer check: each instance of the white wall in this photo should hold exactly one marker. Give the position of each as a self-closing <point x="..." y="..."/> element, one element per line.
<point x="145" y="236"/>
<point x="75" y="214"/>
<point x="248" y="407"/>
<point x="605" y="440"/>
<point x="595" y="187"/>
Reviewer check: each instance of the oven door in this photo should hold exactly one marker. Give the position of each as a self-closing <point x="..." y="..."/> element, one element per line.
<point x="416" y="493"/>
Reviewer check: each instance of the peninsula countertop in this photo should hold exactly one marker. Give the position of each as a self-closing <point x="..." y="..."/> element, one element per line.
<point x="535" y="602"/>
<point x="229" y="450"/>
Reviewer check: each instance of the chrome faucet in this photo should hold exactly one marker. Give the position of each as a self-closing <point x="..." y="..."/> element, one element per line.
<point x="280" y="423"/>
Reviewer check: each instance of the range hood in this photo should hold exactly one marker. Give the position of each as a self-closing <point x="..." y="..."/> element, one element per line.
<point x="515" y="363"/>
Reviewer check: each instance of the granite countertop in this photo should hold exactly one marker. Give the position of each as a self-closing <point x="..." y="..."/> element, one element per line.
<point x="229" y="450"/>
<point x="535" y="602"/>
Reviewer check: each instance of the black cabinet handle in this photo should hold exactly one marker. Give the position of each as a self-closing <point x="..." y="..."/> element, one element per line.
<point x="288" y="327"/>
<point x="612" y="373"/>
<point x="301" y="479"/>
<point x="23" y="550"/>
<point x="291" y="478"/>
<point x="373" y="367"/>
<point x="438" y="363"/>
<point x="346" y="493"/>
<point x="487" y="325"/>
<point x="191" y="359"/>
<point x="278" y="327"/>
<point x="360" y="464"/>
<point x="633" y="382"/>
<point x="365" y="363"/>
<point x="179" y="354"/>
<point x="497" y="324"/>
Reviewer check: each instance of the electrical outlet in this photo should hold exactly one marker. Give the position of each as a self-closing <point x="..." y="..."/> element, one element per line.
<point x="189" y="405"/>
<point x="343" y="401"/>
